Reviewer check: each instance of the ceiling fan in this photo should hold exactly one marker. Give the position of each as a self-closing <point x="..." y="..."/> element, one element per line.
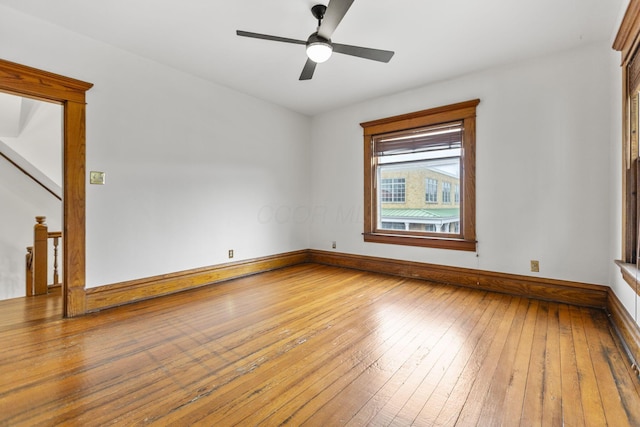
<point x="319" y="45"/>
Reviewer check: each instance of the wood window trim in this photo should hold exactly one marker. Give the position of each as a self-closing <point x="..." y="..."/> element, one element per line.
<point x="465" y="111"/>
<point x="70" y="93"/>
<point x="631" y="274"/>
<point x="627" y="42"/>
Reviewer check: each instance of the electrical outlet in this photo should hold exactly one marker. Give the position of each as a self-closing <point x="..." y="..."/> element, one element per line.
<point x="535" y="266"/>
<point x="333" y="244"/>
<point x="230" y="253"/>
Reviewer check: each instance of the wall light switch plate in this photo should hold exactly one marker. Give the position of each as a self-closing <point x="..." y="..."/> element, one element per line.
<point x="96" y="177"/>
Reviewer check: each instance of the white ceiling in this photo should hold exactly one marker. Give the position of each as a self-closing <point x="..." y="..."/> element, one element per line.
<point x="432" y="39"/>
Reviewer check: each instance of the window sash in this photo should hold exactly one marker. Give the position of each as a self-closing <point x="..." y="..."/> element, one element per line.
<point x="438" y="137"/>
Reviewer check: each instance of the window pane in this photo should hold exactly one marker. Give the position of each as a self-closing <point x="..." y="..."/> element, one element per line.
<point x="419" y="193"/>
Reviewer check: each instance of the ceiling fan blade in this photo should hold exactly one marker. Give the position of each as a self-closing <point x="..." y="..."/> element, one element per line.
<point x="363" y="52"/>
<point x="268" y="37"/>
<point x="336" y="9"/>
<point x="307" y="71"/>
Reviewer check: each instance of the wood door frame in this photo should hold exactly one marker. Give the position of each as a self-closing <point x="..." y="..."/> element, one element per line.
<point x="70" y="93"/>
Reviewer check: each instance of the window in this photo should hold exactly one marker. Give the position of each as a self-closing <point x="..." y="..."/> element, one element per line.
<point x="429" y="148"/>
<point x="393" y="225"/>
<point x="432" y="191"/>
<point x="446" y="192"/>
<point x="392" y="190"/>
<point x="631" y="177"/>
<point x="625" y="42"/>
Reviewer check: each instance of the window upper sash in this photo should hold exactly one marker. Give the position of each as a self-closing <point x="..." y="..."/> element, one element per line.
<point x="444" y="136"/>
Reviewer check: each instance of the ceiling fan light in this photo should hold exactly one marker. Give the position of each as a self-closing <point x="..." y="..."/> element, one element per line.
<point x="319" y="51"/>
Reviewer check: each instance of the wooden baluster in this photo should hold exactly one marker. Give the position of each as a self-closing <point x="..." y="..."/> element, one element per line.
<point x="29" y="270"/>
<point x="55" y="261"/>
<point x="40" y="241"/>
<point x="56" y="278"/>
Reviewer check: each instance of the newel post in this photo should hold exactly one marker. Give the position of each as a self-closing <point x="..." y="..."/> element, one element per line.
<point x="40" y="240"/>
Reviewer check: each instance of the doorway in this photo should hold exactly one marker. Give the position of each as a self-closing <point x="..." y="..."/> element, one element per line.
<point x="29" y="82"/>
<point x="31" y="185"/>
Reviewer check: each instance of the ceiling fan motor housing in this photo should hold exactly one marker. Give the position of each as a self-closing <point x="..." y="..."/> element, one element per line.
<point x="315" y="38"/>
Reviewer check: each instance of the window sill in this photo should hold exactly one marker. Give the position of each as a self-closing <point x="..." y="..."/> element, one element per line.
<point x="429" y="242"/>
<point x="630" y="274"/>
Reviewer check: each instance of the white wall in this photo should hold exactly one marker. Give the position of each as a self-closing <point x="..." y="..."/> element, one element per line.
<point x="40" y="139"/>
<point x="192" y="168"/>
<point x="543" y="174"/>
<point x="21" y="200"/>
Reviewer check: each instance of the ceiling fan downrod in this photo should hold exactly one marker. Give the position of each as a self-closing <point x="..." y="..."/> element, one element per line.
<point x="318" y="12"/>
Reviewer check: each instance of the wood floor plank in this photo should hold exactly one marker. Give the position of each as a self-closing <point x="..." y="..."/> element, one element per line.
<point x="229" y="378"/>
<point x="343" y="372"/>
<point x="573" y="412"/>
<point x="353" y="391"/>
<point x="315" y="345"/>
<point x="590" y="395"/>
<point x="431" y="393"/>
<point x="534" y="389"/>
<point x="487" y="369"/>
<point x="476" y="363"/>
<point x="442" y="320"/>
<point x="552" y="385"/>
<point x="514" y="397"/>
<point x="345" y="334"/>
<point x="426" y="361"/>
<point x="606" y="364"/>
<point x="493" y="400"/>
<point x="626" y="380"/>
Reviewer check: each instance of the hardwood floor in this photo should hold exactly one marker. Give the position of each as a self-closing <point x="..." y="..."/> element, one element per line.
<point x="315" y="345"/>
